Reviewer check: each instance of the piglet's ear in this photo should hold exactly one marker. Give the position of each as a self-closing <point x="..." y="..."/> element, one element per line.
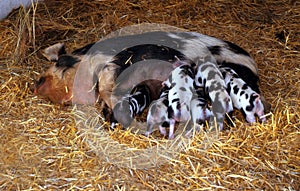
<point x="53" y="52"/>
<point x="257" y="97"/>
<point x="258" y="103"/>
<point x="165" y="84"/>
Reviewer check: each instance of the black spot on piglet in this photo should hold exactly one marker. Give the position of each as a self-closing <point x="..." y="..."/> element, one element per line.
<point x="170" y="112"/>
<point x="200" y="80"/>
<point x="251" y="101"/>
<point x="244" y="87"/>
<point x="175" y="100"/>
<point x="235" y="89"/>
<point x="182" y="88"/>
<point x="166" y="102"/>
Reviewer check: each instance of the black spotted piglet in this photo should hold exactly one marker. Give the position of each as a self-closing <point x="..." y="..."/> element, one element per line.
<point x="209" y="77"/>
<point x="135" y="103"/>
<point x="199" y="111"/>
<point x="131" y="105"/>
<point x="180" y="82"/>
<point x="158" y="114"/>
<point x="243" y="97"/>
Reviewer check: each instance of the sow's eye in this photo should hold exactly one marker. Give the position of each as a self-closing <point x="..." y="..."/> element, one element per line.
<point x="40" y="82"/>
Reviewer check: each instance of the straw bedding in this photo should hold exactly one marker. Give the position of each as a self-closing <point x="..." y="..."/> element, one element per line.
<point x="43" y="146"/>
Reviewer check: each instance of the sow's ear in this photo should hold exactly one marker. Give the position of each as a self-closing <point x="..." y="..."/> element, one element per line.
<point x="53" y="52"/>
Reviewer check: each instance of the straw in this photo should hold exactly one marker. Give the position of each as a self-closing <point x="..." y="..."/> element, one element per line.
<point x="43" y="146"/>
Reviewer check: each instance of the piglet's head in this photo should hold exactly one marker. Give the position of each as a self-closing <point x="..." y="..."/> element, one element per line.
<point x="57" y="82"/>
<point x="259" y="109"/>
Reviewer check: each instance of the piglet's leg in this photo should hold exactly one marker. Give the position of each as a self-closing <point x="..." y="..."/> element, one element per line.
<point x="162" y="130"/>
<point x="149" y="130"/>
<point x="171" y="130"/>
<point x="217" y="119"/>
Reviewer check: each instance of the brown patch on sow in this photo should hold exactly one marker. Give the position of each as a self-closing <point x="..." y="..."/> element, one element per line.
<point x="56" y="85"/>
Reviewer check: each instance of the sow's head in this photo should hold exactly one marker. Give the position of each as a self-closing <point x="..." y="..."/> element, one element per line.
<point x="57" y="82"/>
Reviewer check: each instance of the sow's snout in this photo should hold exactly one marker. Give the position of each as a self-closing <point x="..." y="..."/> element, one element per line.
<point x="56" y="83"/>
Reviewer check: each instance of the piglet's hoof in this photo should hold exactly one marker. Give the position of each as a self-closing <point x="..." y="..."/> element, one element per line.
<point x="171" y="137"/>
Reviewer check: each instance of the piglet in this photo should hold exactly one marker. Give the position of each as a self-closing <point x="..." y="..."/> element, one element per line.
<point x="158" y="114"/>
<point x="136" y="102"/>
<point x="180" y="82"/>
<point x="199" y="111"/>
<point x="209" y="77"/>
<point x="243" y="97"/>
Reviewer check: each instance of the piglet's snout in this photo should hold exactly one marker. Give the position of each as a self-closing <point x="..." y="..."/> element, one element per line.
<point x="177" y="116"/>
